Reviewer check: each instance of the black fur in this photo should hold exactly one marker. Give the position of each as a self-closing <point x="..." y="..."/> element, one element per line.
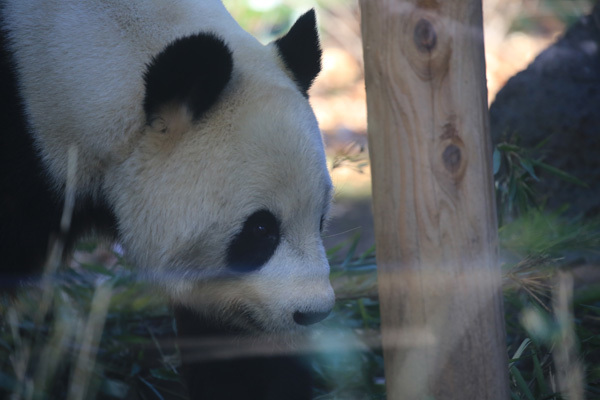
<point x="256" y="242"/>
<point x="283" y="377"/>
<point x="30" y="211"/>
<point x="301" y="51"/>
<point x="192" y="70"/>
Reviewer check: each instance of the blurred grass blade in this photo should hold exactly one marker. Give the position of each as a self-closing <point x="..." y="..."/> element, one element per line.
<point x="88" y="348"/>
<point x="539" y="376"/>
<point x="521" y="384"/>
<point x="151" y="387"/>
<point x="520" y="350"/>
<point x="350" y="254"/>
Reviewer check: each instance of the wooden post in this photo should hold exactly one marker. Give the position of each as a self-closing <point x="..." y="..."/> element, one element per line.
<point x="435" y="220"/>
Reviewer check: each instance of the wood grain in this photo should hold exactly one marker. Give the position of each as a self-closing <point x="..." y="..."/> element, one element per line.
<point x="434" y="209"/>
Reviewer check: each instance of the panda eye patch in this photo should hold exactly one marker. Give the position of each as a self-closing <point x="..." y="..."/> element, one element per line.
<point x="255" y="243"/>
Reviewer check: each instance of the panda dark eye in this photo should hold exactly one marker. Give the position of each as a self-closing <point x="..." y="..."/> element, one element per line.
<point x="261" y="231"/>
<point x="255" y="243"/>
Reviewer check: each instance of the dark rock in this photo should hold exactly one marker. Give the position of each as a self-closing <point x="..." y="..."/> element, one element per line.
<point x="557" y="98"/>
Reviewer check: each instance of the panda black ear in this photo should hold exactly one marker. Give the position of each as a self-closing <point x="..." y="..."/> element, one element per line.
<point x="192" y="72"/>
<point x="301" y="51"/>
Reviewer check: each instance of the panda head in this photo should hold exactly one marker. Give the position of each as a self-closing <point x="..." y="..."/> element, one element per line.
<point x="223" y="197"/>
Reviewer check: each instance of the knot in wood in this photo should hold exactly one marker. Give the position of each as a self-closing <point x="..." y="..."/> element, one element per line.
<point x="424" y="36"/>
<point x="426" y="43"/>
<point x="451" y="155"/>
<point x="452" y="158"/>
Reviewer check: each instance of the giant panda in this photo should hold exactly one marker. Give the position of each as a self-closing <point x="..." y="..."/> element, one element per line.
<point x="192" y="144"/>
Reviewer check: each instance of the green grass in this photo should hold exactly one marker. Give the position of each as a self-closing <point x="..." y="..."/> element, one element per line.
<point x="96" y="331"/>
<point x="101" y="334"/>
<point x="96" y="338"/>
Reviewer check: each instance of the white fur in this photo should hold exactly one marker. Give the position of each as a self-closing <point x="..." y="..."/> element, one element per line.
<point x="180" y="189"/>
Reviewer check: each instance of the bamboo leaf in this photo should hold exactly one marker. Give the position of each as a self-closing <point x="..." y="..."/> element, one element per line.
<point x="496" y="160"/>
<point x="505" y="147"/>
<point x="520" y="350"/>
<point x="560" y="173"/>
<point x="527" y="166"/>
<point x="521" y="384"/>
<point x="539" y="375"/>
<point x="151" y="387"/>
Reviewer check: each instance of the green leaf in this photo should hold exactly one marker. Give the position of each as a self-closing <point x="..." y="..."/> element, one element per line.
<point x="505" y="147"/>
<point x="99" y="269"/>
<point x="512" y="190"/>
<point x="592" y="308"/>
<point x="521" y="384"/>
<point x="560" y="173"/>
<point x="542" y="143"/>
<point x="520" y="350"/>
<point x="164" y="374"/>
<point x="334" y="250"/>
<point x="350" y="255"/>
<point x="496" y="161"/>
<point x="135" y="369"/>
<point x="527" y="166"/>
<point x="539" y="375"/>
<point x="151" y="387"/>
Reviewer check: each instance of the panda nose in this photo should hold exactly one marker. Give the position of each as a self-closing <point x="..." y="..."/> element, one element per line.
<point x="309" y="318"/>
